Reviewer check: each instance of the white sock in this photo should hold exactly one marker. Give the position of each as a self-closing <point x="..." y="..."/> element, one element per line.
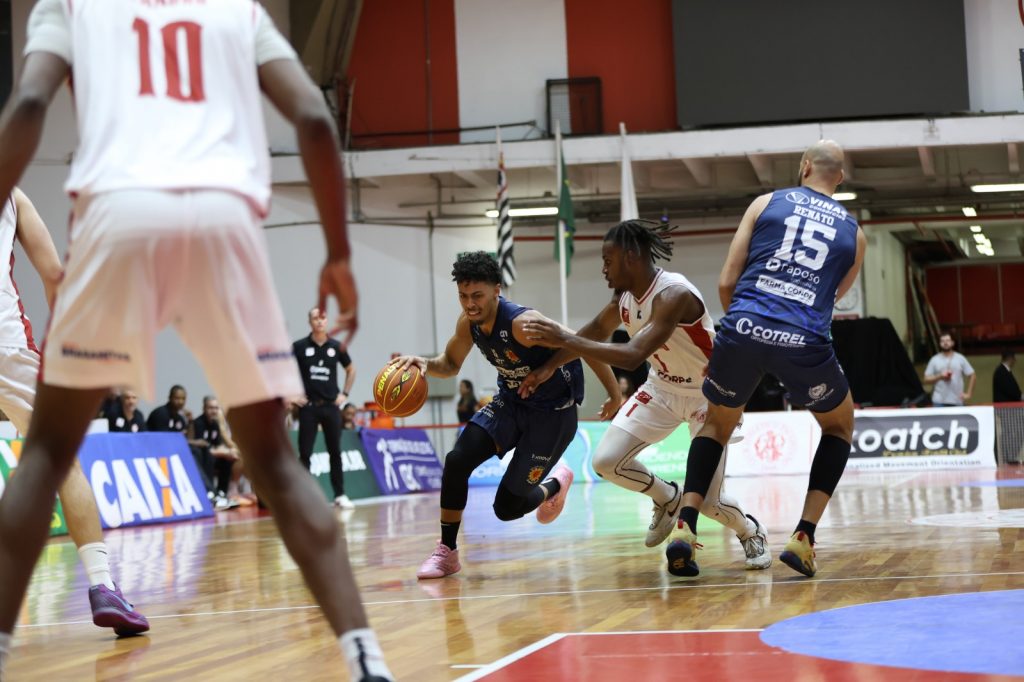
<point x="363" y="655"/>
<point x="5" y="649"/>
<point x="662" y="492"/>
<point x="97" y="564"/>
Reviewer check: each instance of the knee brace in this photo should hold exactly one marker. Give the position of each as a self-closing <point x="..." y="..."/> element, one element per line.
<point x="508" y="506"/>
<point x="473" y="448"/>
<point x="828" y="464"/>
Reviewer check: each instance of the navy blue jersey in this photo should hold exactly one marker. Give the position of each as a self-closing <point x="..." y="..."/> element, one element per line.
<point x="802" y="246"/>
<point x="515" y="361"/>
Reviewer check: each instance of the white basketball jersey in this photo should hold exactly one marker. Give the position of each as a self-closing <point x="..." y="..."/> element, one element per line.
<point x="15" y="329"/>
<point x="167" y="96"/>
<point x="677" y="366"/>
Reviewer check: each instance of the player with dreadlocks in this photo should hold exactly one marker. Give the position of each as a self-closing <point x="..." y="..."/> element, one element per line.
<point x="669" y="325"/>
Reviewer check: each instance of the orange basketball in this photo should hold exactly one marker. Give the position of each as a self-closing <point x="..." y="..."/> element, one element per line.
<point x="400" y="393"/>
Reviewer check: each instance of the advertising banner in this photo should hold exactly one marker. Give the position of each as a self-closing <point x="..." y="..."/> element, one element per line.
<point x="883" y="440"/>
<point x="402" y="460"/>
<point x="359" y="478"/>
<point x="10" y="451"/>
<point x="141" y="478"/>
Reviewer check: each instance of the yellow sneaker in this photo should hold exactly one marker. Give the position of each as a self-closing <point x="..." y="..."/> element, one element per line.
<point x="799" y="554"/>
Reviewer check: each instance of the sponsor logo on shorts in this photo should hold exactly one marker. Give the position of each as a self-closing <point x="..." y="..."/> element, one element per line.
<point x="642" y="397"/>
<point x="797" y="198"/>
<point x="72" y="351"/>
<point x="721" y="389"/>
<point x="272" y="355"/>
<point x="817" y="392"/>
<point x="534" y="476"/>
<point x="540" y="458"/>
<point x="900" y="436"/>
<point x="769" y="336"/>
<point x="776" y="287"/>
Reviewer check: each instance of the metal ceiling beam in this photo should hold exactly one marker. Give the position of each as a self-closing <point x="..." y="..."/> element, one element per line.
<point x="700" y="169"/>
<point x="927" y="161"/>
<point x="762" y="164"/>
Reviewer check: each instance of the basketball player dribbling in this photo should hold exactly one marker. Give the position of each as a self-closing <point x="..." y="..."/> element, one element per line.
<point x="170" y="182"/>
<point x="668" y="323"/>
<point x="539" y="427"/>
<point x="19" y="368"/>
<point x="795" y="253"/>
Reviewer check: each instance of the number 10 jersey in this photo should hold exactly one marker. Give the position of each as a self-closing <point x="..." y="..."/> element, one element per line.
<point x="801" y="248"/>
<point x="166" y="92"/>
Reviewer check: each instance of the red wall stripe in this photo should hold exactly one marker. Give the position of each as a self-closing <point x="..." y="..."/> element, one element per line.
<point x="389" y="66"/>
<point x="629" y="46"/>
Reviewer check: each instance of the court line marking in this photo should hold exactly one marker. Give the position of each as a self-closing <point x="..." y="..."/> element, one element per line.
<point x="505" y="661"/>
<point x="479" y="597"/>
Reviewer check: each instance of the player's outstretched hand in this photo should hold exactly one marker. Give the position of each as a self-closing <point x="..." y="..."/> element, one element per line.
<point x="533" y="380"/>
<point x="336" y="280"/>
<point x="546" y="332"/>
<point x="403" y="361"/>
<point x="609" y="408"/>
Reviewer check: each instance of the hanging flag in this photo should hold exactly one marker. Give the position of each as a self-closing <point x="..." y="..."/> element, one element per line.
<point x="628" y="209"/>
<point x="566" y="220"/>
<point x="506" y="255"/>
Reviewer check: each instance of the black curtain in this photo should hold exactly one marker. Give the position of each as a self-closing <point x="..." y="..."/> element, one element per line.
<point x="876" y="363"/>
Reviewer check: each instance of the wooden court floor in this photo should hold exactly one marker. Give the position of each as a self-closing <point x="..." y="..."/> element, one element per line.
<point x="227" y="603"/>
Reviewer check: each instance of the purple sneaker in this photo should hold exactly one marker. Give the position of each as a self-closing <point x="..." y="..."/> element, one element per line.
<point x="110" y="610"/>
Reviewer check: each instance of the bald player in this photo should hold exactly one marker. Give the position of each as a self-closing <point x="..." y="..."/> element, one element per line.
<point x="795" y="253"/>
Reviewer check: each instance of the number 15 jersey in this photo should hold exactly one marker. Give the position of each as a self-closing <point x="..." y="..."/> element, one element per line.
<point x="801" y="248"/>
<point x="166" y="92"/>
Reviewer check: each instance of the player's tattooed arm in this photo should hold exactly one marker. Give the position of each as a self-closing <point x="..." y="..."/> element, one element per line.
<point x="736" y="260"/>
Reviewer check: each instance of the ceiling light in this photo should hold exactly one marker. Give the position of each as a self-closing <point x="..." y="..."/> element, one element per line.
<point x="975" y="228"/>
<point x="525" y="212"/>
<point x="980" y="238"/>
<point x="1010" y="187"/>
<point x="844" y="196"/>
<point x="969" y="212"/>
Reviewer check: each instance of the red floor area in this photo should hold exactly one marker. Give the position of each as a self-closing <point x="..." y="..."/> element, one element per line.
<point x="636" y="657"/>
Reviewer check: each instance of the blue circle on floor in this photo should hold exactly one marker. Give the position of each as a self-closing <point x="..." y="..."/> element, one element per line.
<point x="978" y="632"/>
<point x="1005" y="483"/>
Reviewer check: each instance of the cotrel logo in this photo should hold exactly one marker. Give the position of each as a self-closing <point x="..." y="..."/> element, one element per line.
<point x="142" y="489"/>
<point x="915" y="436"/>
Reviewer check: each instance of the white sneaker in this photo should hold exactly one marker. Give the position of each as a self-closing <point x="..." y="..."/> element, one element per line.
<point x="664" y="519"/>
<point x="756" y="547"/>
<point x="343" y="502"/>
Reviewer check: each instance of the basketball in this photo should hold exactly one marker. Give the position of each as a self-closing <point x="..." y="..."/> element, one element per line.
<point x="400" y="393"/>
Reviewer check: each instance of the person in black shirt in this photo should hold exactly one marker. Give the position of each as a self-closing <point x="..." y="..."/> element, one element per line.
<point x="319" y="356"/>
<point x="467" y="401"/>
<point x="173" y="416"/>
<point x="127" y="418"/>
<point x="1005" y="388"/>
<point x="212" y="453"/>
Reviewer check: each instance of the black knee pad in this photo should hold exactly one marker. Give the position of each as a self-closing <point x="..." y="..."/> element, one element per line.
<point x="828" y="464"/>
<point x="701" y="463"/>
<point x="508" y="506"/>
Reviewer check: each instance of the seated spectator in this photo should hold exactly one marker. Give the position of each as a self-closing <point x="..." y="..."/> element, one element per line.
<point x="213" y="454"/>
<point x="111" y="405"/>
<point x="626" y="386"/>
<point x="348" y="417"/>
<point x="467" y="401"/>
<point x="127" y="419"/>
<point x="173" y="416"/>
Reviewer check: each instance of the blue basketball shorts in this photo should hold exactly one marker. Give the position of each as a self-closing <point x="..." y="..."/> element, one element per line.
<point x="748" y="347"/>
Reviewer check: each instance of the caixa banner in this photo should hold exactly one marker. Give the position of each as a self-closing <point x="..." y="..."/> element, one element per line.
<point x="883" y="440"/>
<point x="140" y="478"/>
<point x="402" y="460"/>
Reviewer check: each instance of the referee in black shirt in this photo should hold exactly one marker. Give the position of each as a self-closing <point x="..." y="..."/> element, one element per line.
<point x="319" y="357"/>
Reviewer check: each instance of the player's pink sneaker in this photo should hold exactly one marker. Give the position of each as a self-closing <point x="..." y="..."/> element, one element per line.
<point x="549" y="510"/>
<point x="111" y="610"/>
<point x="443" y="562"/>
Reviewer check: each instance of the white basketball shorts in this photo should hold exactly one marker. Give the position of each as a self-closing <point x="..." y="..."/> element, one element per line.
<point x="142" y="259"/>
<point x="19" y="368"/>
<point x="652" y="414"/>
